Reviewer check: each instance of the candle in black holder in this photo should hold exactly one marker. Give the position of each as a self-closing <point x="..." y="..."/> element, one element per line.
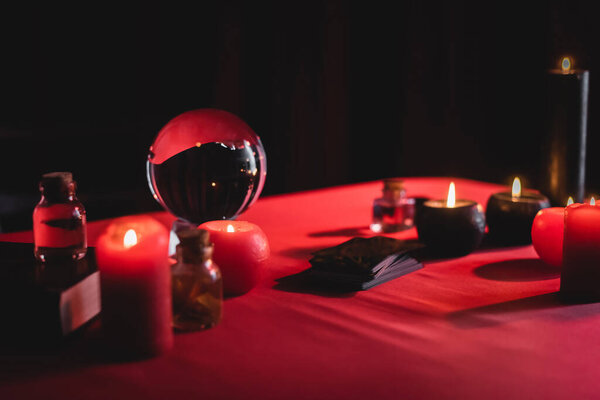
<point x="510" y="215"/>
<point x="564" y="149"/>
<point x="451" y="227"/>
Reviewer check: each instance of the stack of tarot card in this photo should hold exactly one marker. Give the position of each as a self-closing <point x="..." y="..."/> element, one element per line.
<point x="361" y="264"/>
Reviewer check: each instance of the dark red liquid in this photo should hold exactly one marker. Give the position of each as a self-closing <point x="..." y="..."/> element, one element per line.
<point x="213" y="181"/>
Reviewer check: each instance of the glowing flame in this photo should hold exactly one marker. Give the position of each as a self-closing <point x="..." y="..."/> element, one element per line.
<point x="565" y="65"/>
<point x="592" y="201"/>
<point x="451" y="196"/>
<point x="570" y="201"/>
<point x="516" y="188"/>
<point x="130" y="239"/>
<point x="376" y="228"/>
<point x="230" y="228"/>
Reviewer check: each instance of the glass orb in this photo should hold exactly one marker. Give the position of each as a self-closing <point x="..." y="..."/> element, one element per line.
<point x="206" y="165"/>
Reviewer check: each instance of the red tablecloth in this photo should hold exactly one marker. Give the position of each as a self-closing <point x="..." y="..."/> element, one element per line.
<point x="485" y="326"/>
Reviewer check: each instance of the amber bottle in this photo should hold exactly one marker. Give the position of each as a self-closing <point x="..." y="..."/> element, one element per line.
<point x="197" y="283"/>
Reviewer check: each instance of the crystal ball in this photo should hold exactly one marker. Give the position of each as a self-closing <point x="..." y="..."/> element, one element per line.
<point x="206" y="165"/>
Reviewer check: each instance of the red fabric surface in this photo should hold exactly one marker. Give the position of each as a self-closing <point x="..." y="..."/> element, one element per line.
<point x="487" y="325"/>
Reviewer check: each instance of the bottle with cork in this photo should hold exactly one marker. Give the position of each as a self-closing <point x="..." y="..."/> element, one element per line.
<point x="59" y="220"/>
<point x="197" y="283"/>
<point x="393" y="211"/>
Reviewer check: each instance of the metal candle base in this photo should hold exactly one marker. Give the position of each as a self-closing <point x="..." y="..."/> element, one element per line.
<point x="510" y="218"/>
<point x="451" y="231"/>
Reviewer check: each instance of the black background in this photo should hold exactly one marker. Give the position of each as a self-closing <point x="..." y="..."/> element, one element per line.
<point x="339" y="92"/>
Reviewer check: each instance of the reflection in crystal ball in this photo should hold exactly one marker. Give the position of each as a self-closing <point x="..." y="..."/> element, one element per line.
<point x="205" y="165"/>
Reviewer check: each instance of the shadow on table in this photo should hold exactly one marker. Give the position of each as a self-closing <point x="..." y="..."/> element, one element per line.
<point x="490" y="242"/>
<point x="490" y="245"/>
<point x="26" y="357"/>
<point x="546" y="305"/>
<point x="302" y="253"/>
<point x="518" y="270"/>
<point x="496" y="314"/>
<point x="361" y="231"/>
<point x="303" y="283"/>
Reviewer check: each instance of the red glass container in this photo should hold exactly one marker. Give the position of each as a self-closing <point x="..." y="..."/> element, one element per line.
<point x="59" y="220"/>
<point x="393" y="211"/>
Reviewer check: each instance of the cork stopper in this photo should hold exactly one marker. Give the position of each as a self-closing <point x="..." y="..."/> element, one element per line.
<point x="57" y="179"/>
<point x="194" y="244"/>
<point x="57" y="185"/>
<point x="393" y="189"/>
<point x="393" y="184"/>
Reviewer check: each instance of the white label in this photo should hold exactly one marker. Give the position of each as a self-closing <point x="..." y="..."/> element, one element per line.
<point x="80" y="303"/>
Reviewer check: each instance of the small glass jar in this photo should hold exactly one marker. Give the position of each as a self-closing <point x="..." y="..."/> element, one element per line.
<point x="59" y="220"/>
<point x="197" y="283"/>
<point x="393" y="211"/>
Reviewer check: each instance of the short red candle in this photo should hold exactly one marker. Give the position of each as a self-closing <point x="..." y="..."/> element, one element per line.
<point x="135" y="286"/>
<point x="547" y="235"/>
<point x="241" y="252"/>
<point x="580" y="275"/>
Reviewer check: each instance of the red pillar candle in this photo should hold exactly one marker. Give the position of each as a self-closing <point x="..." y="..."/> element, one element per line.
<point x="580" y="275"/>
<point x="136" y="286"/>
<point x="547" y="235"/>
<point x="241" y="252"/>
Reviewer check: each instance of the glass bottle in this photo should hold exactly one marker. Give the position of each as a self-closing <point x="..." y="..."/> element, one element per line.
<point x="59" y="220"/>
<point x="393" y="211"/>
<point x="197" y="283"/>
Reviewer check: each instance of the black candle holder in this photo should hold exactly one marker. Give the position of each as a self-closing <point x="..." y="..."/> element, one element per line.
<point x="419" y="201"/>
<point x="451" y="231"/>
<point x="510" y="218"/>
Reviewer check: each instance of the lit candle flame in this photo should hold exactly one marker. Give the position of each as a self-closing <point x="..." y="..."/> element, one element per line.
<point x="230" y="228"/>
<point x="130" y="239"/>
<point x="451" y="196"/>
<point x="565" y="65"/>
<point x="516" y="187"/>
<point x="376" y="228"/>
<point x="570" y="201"/>
<point x="592" y="201"/>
